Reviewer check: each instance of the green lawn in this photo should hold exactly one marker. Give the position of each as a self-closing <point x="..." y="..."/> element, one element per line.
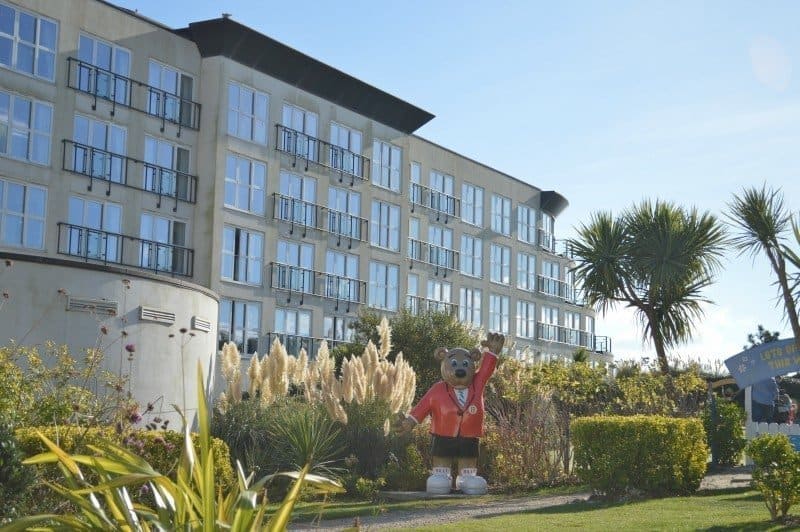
<point x="732" y="510"/>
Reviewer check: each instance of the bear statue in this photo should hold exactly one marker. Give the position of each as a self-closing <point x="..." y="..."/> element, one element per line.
<point x="455" y="405"/>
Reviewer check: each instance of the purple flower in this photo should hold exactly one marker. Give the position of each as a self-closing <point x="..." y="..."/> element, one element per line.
<point x="130" y="348"/>
<point x="104" y="329"/>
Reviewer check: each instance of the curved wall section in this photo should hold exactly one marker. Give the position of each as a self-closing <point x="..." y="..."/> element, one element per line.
<point x="70" y="303"/>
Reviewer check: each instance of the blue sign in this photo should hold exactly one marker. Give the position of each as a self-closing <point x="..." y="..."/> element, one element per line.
<point x="764" y="361"/>
<point x="795" y="441"/>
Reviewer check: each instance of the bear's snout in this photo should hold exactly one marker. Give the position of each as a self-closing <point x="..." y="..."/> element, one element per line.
<point x="461" y="373"/>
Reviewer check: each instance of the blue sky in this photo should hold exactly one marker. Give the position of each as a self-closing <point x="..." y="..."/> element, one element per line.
<point x="606" y="102"/>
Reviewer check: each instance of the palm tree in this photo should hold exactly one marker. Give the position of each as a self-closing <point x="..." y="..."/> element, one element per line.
<point x="762" y="220"/>
<point x="655" y="258"/>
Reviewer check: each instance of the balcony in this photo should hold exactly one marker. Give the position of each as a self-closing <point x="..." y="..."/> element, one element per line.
<point x="293" y="343"/>
<point x="573" y="337"/>
<point x="417" y="305"/>
<point x="303" y="281"/>
<point x="113" y="168"/>
<point x="440" y="203"/>
<point x="440" y="258"/>
<point x="547" y="241"/>
<point x="556" y="288"/>
<point x="126" y="92"/>
<point x="304" y="214"/>
<point x="112" y="248"/>
<point x="301" y="146"/>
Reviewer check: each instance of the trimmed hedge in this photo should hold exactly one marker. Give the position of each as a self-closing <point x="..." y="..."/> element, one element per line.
<point x="654" y="454"/>
<point x="728" y="432"/>
<point x="161" y="449"/>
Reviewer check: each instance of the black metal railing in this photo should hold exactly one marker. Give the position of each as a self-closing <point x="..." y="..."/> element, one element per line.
<point x="305" y="215"/>
<point x="293" y="343"/>
<point x="127" y="92"/>
<point x="440" y="258"/>
<point x="573" y="337"/>
<point x="546" y="240"/>
<point x="114" y="248"/>
<point x="555" y="287"/>
<point x="112" y="168"/>
<point x="417" y="305"/>
<point x="300" y="282"/>
<point x="310" y="149"/>
<point x="439" y="202"/>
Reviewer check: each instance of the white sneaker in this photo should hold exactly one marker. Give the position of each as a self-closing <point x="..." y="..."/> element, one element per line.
<point x="439" y="482"/>
<point x="470" y="483"/>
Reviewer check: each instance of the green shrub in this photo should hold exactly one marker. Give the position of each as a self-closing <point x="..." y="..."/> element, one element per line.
<point x="657" y="455"/>
<point x="14" y="476"/>
<point x="162" y="449"/>
<point x="776" y="472"/>
<point x="408" y="469"/>
<point x="727" y="433"/>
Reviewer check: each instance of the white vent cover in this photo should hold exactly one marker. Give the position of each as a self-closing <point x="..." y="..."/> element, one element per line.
<point x="156" y="314"/>
<point x="98" y="306"/>
<point x="201" y="324"/>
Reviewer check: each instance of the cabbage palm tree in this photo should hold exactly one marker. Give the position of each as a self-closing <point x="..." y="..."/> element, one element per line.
<point x="655" y="258"/>
<point x="762" y="221"/>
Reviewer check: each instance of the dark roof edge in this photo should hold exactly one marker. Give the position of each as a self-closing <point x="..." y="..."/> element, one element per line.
<point x="231" y="39"/>
<point x="553" y="202"/>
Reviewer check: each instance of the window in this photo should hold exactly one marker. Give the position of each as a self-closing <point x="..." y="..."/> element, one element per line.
<point x="383" y="281"/>
<point x="588" y="328"/>
<point x="239" y="322"/>
<point x="416" y="192"/>
<point x="338" y="328"/>
<point x="439" y="293"/>
<point x="472" y="204"/>
<point x="551" y="273"/>
<point x="471" y="256"/>
<point x="501" y="215"/>
<point x="295" y="267"/>
<point x="22" y="215"/>
<point x="245" y="181"/>
<point x="294" y="328"/>
<point x="526" y="319"/>
<point x="469" y="309"/>
<point x="441" y="241"/>
<point x="546" y="232"/>
<point x="298" y="195"/>
<point x="526" y="224"/>
<point x="414" y="243"/>
<point x="413" y="293"/>
<point x="442" y="198"/>
<point x="25" y="127"/>
<point x="342" y="279"/>
<point x="500" y="264"/>
<point x="301" y="137"/>
<point x="344" y="213"/>
<point x="572" y="325"/>
<point x="549" y="325"/>
<point x="498" y="313"/>
<point x="386" y="161"/>
<point x="95" y="229"/>
<point x="384" y="228"/>
<point x="346" y="149"/>
<point x="526" y="271"/>
<point x="109" y="79"/>
<point x="99" y="150"/>
<point x="28" y="42"/>
<point x="161" y="248"/>
<point x="170" y="94"/>
<point x="242" y="255"/>
<point x="248" y="113"/>
<point x="166" y="168"/>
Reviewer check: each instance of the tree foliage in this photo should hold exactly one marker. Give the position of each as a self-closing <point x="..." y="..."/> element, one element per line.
<point x="761" y="336"/>
<point x="761" y="221"/>
<point x="655" y="258"/>
<point x="415" y="335"/>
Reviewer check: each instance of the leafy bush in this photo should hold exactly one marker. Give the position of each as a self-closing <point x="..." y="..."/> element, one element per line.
<point x="409" y="462"/>
<point x="657" y="455"/>
<point x="727" y="433"/>
<point x="15" y="478"/>
<point x="196" y="500"/>
<point x="776" y="472"/>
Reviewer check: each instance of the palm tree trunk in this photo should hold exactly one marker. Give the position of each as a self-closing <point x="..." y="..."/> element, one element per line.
<point x="779" y="264"/>
<point x="658" y="343"/>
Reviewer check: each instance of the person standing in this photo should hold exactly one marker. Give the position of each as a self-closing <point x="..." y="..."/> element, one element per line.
<point x="763" y="398"/>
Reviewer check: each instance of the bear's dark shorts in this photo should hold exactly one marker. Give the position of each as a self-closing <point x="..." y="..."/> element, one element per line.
<point x="456" y="447"/>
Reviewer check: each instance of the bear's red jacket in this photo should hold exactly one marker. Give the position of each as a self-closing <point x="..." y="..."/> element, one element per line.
<point x="447" y="417"/>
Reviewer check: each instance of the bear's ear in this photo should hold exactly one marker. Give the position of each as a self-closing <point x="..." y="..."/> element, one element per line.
<point x="440" y="353"/>
<point x="475" y="354"/>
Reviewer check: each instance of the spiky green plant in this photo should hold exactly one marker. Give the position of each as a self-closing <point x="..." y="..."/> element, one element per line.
<point x="191" y="502"/>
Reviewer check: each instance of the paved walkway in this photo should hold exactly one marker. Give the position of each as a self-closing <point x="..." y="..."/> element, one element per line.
<point x="731" y="478"/>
